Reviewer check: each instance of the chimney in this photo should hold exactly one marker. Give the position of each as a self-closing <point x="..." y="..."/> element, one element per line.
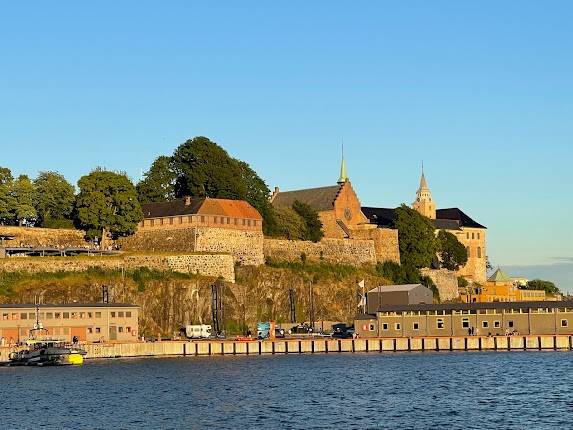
<point x="187" y="200"/>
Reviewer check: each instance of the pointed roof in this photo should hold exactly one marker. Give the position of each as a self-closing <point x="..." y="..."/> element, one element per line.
<point x="343" y="175"/>
<point x="499" y="276"/>
<point x="423" y="183"/>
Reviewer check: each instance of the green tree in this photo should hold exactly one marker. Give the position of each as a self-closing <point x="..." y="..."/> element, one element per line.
<point x="204" y="169"/>
<point x="539" y="284"/>
<point x="313" y="225"/>
<point x="25" y="199"/>
<point x="416" y="239"/>
<point x="452" y="253"/>
<point x="55" y="199"/>
<point x="107" y="204"/>
<point x="289" y="224"/>
<point x="6" y="197"/>
<point x="398" y="274"/>
<point x="158" y="184"/>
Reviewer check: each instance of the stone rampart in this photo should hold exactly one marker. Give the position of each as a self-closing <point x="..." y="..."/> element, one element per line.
<point x="34" y="236"/>
<point x="446" y="281"/>
<point x="385" y="242"/>
<point x="342" y="251"/>
<point x="214" y="265"/>
<point x="245" y="246"/>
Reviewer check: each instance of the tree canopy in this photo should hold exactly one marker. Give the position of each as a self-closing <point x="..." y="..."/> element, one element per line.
<point x="539" y="284"/>
<point x="289" y="224"/>
<point x="452" y="253"/>
<point x="416" y="238"/>
<point x="55" y="199"/>
<point x="25" y="196"/>
<point x="158" y="184"/>
<point x="107" y="203"/>
<point x="6" y="197"/>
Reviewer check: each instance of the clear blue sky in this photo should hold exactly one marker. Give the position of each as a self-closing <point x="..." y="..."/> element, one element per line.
<point x="482" y="92"/>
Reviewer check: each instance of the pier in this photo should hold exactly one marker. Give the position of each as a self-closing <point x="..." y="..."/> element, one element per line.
<point x="321" y="346"/>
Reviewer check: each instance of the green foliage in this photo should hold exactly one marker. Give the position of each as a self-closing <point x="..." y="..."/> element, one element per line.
<point x="452" y="253"/>
<point x="427" y="282"/>
<point x="322" y="270"/>
<point x="462" y="282"/>
<point x="107" y="203"/>
<point x="312" y="224"/>
<point x="6" y="197"/>
<point x="398" y="274"/>
<point x="416" y="239"/>
<point x="159" y="182"/>
<point x="539" y="284"/>
<point x="25" y="199"/>
<point x="289" y="224"/>
<point x="55" y="200"/>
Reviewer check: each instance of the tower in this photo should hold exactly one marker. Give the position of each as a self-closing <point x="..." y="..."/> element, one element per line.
<point x="343" y="175"/>
<point x="424" y="203"/>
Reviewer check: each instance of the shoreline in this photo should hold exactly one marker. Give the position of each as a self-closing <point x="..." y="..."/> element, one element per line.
<point x="217" y="347"/>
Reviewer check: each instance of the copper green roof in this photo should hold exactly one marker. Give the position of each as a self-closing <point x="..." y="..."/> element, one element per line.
<point x="499" y="276"/>
<point x="343" y="174"/>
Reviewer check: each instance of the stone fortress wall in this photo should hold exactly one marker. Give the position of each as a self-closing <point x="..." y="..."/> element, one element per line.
<point x="446" y="281"/>
<point x="213" y="265"/>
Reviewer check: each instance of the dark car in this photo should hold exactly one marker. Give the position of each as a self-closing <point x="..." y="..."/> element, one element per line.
<point x="347" y="334"/>
<point x="300" y="329"/>
<point x="279" y="332"/>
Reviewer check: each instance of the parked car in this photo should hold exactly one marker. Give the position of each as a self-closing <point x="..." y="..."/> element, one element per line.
<point x="300" y="329"/>
<point x="342" y="335"/>
<point x="279" y="332"/>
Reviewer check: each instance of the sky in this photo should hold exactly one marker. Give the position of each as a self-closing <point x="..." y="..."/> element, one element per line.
<point x="480" y="92"/>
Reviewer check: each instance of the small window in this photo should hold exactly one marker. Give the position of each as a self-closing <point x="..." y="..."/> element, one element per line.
<point x="202" y="218"/>
<point x="384" y="326"/>
<point x="397" y="326"/>
<point x="473" y="237"/>
<point x="564" y="323"/>
<point x="5" y="316"/>
<point x="416" y="326"/>
<point x="152" y="222"/>
<point x="23" y="316"/>
<point x="98" y="330"/>
<point x="58" y="315"/>
<point x="510" y="324"/>
<point x="120" y="329"/>
<point x="161" y="221"/>
<point x="496" y="324"/>
<point x="484" y="324"/>
<point x="128" y="314"/>
<point x="90" y="330"/>
<point x="120" y="314"/>
<point x="228" y="220"/>
<point x="180" y="220"/>
<point x="440" y="323"/>
<point x="66" y="315"/>
<point x="98" y="314"/>
<point x="33" y="316"/>
<point x="90" y="315"/>
<point x="170" y="221"/>
<point x="49" y="315"/>
<point x="479" y="251"/>
<point x="467" y="235"/>
<point x="113" y="314"/>
<point x="128" y="329"/>
<point x="465" y="323"/>
<point x="236" y="221"/>
<point x="478" y="236"/>
<point x="371" y="327"/>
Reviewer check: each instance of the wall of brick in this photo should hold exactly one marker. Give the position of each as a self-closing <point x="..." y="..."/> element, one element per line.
<point x="445" y="280"/>
<point x="245" y="246"/>
<point x="342" y="251"/>
<point x="214" y="265"/>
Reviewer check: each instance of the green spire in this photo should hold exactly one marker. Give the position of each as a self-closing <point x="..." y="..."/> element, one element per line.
<point x="343" y="175"/>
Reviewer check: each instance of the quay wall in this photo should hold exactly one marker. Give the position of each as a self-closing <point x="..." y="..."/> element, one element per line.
<point x="214" y="265"/>
<point x="321" y="346"/>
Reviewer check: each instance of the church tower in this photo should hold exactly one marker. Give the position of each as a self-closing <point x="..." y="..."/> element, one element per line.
<point x="424" y="203"/>
<point x="343" y="174"/>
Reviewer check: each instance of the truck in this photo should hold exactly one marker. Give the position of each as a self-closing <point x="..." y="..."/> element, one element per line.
<point x="199" y="331"/>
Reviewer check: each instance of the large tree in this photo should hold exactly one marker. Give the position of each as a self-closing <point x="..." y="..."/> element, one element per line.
<point x="25" y="199"/>
<point x="55" y="199"/>
<point x="6" y="197"/>
<point x="452" y="253"/>
<point x="539" y="284"/>
<point x="313" y="225"/>
<point x="289" y="224"/>
<point x="107" y="204"/>
<point x="416" y="238"/>
<point x="159" y="182"/>
<point x="204" y="169"/>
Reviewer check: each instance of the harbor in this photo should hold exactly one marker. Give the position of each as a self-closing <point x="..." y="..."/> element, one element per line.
<point x="320" y="346"/>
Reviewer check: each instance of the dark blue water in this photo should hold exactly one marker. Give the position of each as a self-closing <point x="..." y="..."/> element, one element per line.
<point x="387" y="391"/>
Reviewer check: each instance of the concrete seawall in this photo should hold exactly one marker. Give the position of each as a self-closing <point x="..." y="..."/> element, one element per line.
<point x="324" y="345"/>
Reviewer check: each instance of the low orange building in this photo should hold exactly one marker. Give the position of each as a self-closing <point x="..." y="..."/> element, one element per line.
<point x="501" y="288"/>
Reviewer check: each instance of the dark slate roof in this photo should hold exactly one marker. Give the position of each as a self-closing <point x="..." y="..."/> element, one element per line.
<point x="174" y="208"/>
<point x="457" y="215"/>
<point x="320" y="199"/>
<point x="447" y="224"/>
<point x="475" y="306"/>
<point x="383" y="217"/>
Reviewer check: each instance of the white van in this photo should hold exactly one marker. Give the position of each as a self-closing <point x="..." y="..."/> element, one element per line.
<point x="199" y="331"/>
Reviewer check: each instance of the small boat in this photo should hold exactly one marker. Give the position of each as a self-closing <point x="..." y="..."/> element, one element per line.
<point x="42" y="350"/>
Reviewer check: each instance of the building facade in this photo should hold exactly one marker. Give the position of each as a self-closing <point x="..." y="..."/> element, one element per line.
<point x="407" y="294"/>
<point x="87" y="322"/>
<point x="501" y="288"/>
<point x="458" y="319"/>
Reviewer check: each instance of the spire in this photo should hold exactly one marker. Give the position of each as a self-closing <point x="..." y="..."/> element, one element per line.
<point x="423" y="203"/>
<point x="423" y="183"/>
<point x="343" y="175"/>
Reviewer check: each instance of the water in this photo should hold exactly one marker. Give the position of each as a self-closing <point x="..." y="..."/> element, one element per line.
<point x="469" y="390"/>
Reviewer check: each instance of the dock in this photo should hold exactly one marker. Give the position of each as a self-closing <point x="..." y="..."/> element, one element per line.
<point x="321" y="346"/>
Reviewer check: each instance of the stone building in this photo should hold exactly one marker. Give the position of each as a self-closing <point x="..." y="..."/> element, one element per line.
<point x="340" y="212"/>
<point x="501" y="288"/>
<point x="468" y="232"/>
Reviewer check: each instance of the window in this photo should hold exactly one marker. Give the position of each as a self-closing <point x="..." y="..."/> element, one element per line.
<point x="397" y="326"/>
<point x="98" y="330"/>
<point x="371" y="328"/>
<point x="152" y="222"/>
<point x="90" y="315"/>
<point x="484" y="324"/>
<point x="510" y="324"/>
<point x="473" y="237"/>
<point x="465" y="323"/>
<point x="90" y="330"/>
<point x="49" y="315"/>
<point x="23" y="316"/>
<point x="440" y="323"/>
<point x="564" y="323"/>
<point x="479" y="251"/>
<point x="202" y="218"/>
<point x="467" y="235"/>
<point x="416" y="326"/>
<point x="128" y="314"/>
<point x="98" y="314"/>
<point x="496" y="324"/>
<point x="58" y="315"/>
<point x="384" y="326"/>
<point x="170" y="221"/>
<point x="113" y="314"/>
<point x="66" y="315"/>
<point x="180" y="220"/>
<point x="128" y="329"/>
<point x="120" y="329"/>
<point x="236" y="221"/>
<point x="4" y="316"/>
<point x="228" y="220"/>
<point x="161" y="221"/>
<point x="32" y="316"/>
<point x="120" y="314"/>
<point x="215" y="220"/>
<point x="478" y="236"/>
